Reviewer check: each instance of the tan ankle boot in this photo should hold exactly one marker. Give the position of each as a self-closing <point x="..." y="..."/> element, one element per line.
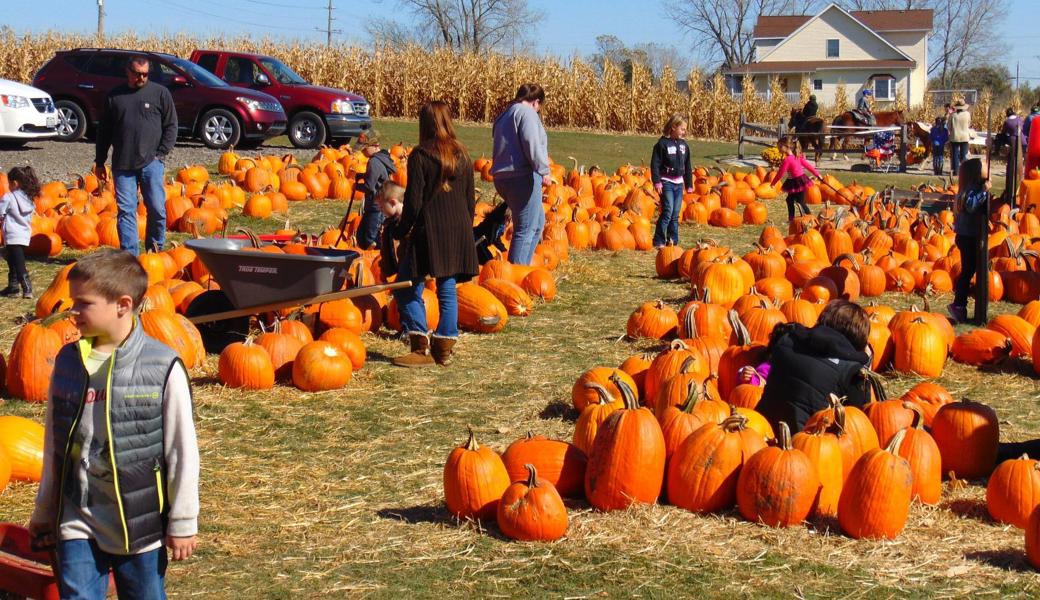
<point x="420" y="354"/>
<point x="442" y="348"/>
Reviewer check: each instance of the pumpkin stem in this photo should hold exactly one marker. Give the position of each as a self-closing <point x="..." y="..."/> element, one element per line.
<point x="875" y="384"/>
<point x="471" y="443"/>
<point x="897" y="440"/>
<point x="629" y="397"/>
<point x="783" y="439"/>
<point x="734" y="422"/>
<point x="743" y="336"/>
<point x="918" y="422"/>
<point x="690" y="323"/>
<point x="532" y="476"/>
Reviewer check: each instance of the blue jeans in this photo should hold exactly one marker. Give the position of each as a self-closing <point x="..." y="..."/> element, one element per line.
<point x="524" y="197"/>
<point x="668" y="223"/>
<point x="150" y="179"/>
<point x="413" y="309"/>
<point x="371" y="221"/>
<point x="958" y="154"/>
<point x="85" y="567"/>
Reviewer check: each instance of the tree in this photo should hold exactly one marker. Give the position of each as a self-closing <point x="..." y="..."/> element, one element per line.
<point x="996" y="78"/>
<point x="472" y="25"/>
<point x="610" y="48"/>
<point x="721" y="30"/>
<point x="966" y="35"/>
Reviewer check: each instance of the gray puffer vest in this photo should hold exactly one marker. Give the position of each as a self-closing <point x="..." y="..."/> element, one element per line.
<point x="136" y="384"/>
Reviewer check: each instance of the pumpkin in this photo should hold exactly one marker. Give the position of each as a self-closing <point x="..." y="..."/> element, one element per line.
<point x="518" y="303"/>
<point x="853" y="427"/>
<point x="1013" y="491"/>
<point x="245" y="365"/>
<point x="31" y="362"/>
<point x="349" y="342"/>
<point x="678" y="422"/>
<point x="824" y="450"/>
<point x="341" y="314"/>
<point x="474" y="480"/>
<point x="888" y="417"/>
<point x="930" y="397"/>
<point x="918" y="447"/>
<point x="666" y="263"/>
<point x="653" y="320"/>
<point x="282" y="349"/>
<point x="627" y="461"/>
<point x="540" y="283"/>
<point x="170" y="330"/>
<point x="560" y="463"/>
<point x="703" y="471"/>
<point x="21" y="440"/>
<point x="532" y="510"/>
<point x="636" y="366"/>
<point x="967" y="434"/>
<point x="1033" y="539"/>
<point x="582" y="394"/>
<point x="321" y="366"/>
<point x="1018" y="330"/>
<point x="981" y="347"/>
<point x="778" y="485"/>
<point x="746" y="395"/>
<point x="875" y="500"/>
<point x="919" y="348"/>
<point x="479" y="310"/>
<point x="593" y="415"/>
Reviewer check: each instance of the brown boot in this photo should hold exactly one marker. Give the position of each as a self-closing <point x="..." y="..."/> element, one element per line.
<point x="420" y="354"/>
<point x="442" y="348"/>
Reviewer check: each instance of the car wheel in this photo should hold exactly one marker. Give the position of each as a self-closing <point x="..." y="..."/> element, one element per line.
<point x="219" y="129"/>
<point x="306" y="130"/>
<point x="72" y="121"/>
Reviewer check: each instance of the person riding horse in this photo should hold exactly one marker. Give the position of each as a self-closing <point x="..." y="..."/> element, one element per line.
<point x="863" y="112"/>
<point x="800" y="118"/>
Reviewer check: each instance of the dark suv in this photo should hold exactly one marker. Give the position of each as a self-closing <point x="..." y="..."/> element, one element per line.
<point x="207" y="108"/>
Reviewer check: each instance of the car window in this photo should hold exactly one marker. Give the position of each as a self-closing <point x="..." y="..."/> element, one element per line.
<point x="197" y="73"/>
<point x="77" y="61"/>
<point x="240" y="71"/>
<point x="208" y="62"/>
<point x="107" y="65"/>
<point x="281" y="72"/>
<point x="161" y="73"/>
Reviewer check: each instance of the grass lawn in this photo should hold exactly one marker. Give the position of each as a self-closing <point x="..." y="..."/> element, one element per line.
<point x="339" y="494"/>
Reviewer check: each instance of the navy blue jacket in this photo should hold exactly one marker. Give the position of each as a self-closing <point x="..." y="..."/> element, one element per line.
<point x="671" y="158"/>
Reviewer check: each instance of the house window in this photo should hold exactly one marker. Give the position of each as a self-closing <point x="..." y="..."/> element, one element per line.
<point x="832" y="48"/>
<point x="817" y="84"/>
<point x="884" y="88"/>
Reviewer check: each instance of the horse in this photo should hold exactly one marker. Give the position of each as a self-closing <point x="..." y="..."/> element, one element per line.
<point x="847" y="119"/>
<point x="811" y="125"/>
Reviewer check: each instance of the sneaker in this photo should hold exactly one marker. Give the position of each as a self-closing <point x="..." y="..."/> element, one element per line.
<point x="958" y="313"/>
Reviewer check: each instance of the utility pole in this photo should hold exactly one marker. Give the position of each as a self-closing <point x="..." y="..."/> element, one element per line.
<point x="328" y="29"/>
<point x="100" y="20"/>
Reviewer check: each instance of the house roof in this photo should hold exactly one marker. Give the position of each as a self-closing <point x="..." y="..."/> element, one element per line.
<point x="811" y="66"/>
<point x="781" y="26"/>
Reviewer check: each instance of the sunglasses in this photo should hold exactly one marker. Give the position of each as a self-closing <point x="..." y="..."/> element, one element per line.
<point x="140" y="74"/>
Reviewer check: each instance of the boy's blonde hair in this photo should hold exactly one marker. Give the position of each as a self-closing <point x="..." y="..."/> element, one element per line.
<point x="390" y="191"/>
<point x="112" y="274"/>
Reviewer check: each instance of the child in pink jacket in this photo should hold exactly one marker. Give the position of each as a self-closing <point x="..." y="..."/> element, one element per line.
<point x="794" y="166"/>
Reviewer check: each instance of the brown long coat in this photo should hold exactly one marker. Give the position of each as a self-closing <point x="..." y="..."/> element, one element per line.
<point x="437" y="223"/>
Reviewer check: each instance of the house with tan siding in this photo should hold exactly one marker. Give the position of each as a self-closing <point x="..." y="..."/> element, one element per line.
<point x="884" y="50"/>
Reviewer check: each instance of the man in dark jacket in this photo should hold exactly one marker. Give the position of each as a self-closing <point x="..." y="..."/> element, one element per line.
<point x="811" y="109"/>
<point x="380" y="167"/>
<point x="139" y="123"/>
<point x="808" y="365"/>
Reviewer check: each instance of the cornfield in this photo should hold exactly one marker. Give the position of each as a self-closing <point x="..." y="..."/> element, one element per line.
<point x="397" y="81"/>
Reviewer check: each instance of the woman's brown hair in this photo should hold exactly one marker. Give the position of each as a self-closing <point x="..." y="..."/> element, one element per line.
<point x="437" y="138"/>
<point x="848" y="319"/>
<point x="26" y="179"/>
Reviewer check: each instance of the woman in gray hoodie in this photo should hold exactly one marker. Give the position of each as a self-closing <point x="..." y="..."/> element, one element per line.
<point x="520" y="168"/>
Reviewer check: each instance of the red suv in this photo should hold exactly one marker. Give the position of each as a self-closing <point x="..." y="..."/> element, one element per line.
<point x="207" y="108"/>
<point x="317" y="115"/>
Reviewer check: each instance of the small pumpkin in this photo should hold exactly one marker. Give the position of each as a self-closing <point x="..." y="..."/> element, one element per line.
<point x="245" y="365"/>
<point x="875" y="501"/>
<point x="474" y="480"/>
<point x="532" y="510"/>
<point x="778" y="485"/>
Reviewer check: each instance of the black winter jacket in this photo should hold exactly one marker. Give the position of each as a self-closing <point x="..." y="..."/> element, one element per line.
<point x="671" y="158"/>
<point x="806" y="365"/>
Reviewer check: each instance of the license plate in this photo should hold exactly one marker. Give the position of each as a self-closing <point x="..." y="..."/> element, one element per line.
<point x="52" y="121"/>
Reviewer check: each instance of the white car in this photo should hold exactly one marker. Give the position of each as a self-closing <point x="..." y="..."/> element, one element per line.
<point x="26" y="113"/>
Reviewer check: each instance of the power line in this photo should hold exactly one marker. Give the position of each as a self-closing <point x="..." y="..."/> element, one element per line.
<point x="285" y="5"/>
<point x="166" y="3"/>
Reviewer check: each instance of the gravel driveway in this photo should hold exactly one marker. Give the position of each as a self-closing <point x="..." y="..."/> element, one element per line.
<point x="61" y="160"/>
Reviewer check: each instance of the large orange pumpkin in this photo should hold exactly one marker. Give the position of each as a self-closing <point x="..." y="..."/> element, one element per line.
<point x="474" y="480"/>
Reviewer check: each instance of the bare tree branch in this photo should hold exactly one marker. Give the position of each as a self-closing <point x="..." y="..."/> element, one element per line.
<point x="473" y="25"/>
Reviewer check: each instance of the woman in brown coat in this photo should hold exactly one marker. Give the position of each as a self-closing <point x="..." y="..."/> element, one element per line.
<point x="436" y="233"/>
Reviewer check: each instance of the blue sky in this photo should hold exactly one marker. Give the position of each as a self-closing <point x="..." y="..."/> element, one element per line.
<point x="569" y="26"/>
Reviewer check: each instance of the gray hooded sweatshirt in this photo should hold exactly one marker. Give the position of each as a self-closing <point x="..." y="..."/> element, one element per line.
<point x="521" y="146"/>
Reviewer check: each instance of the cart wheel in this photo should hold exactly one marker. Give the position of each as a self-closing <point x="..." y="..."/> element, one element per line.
<point x="219" y="334"/>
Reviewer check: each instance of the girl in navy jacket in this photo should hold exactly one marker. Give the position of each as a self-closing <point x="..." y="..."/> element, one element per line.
<point x="671" y="173"/>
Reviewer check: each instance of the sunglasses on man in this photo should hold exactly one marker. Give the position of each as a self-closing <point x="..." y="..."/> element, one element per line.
<point x="138" y="74"/>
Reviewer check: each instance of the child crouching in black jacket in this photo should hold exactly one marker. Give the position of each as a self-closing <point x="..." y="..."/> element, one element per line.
<point x="807" y="365"/>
